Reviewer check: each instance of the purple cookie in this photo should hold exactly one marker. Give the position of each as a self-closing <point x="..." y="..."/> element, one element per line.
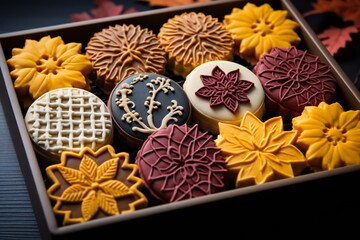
<point x="293" y="79"/>
<point x="180" y="162"/>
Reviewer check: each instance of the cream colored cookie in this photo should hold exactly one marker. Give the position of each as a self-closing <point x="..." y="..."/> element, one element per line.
<point x="68" y="119"/>
<point x="223" y="91"/>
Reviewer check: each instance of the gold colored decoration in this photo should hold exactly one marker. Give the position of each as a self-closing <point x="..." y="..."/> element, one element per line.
<point x="45" y="65"/>
<point x="94" y="185"/>
<point x="258" y="152"/>
<point x="329" y="135"/>
<point x="257" y="29"/>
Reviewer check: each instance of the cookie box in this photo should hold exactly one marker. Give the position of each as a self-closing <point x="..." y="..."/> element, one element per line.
<point x="212" y="210"/>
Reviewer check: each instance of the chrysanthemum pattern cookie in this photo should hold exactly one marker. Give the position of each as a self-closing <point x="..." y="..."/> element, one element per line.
<point x="47" y="64"/>
<point x="257" y="29"/>
<point x="329" y="136"/>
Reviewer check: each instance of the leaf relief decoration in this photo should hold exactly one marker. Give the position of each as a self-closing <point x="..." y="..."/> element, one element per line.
<point x="89" y="185"/>
<point x="156" y="86"/>
<point x="224" y="89"/>
<point x="258" y="152"/>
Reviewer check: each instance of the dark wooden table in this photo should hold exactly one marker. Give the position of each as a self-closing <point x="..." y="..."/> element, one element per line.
<point x="326" y="207"/>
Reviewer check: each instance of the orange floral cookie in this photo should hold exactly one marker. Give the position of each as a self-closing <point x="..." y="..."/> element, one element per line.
<point x="329" y="135"/>
<point x="191" y="39"/>
<point x="257" y="152"/>
<point x="47" y="64"/>
<point x="90" y="185"/>
<point x="257" y="29"/>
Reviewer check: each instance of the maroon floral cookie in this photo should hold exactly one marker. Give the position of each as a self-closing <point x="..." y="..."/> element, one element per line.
<point x="181" y="162"/>
<point x="293" y="79"/>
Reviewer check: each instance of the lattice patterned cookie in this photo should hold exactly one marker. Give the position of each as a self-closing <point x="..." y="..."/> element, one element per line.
<point x="68" y="119"/>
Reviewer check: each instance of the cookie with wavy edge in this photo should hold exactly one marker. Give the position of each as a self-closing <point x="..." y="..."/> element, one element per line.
<point x="191" y="39"/>
<point x="47" y="64"/>
<point x="258" y="29"/>
<point x="329" y="136"/>
<point x="292" y="79"/>
<point x="119" y="51"/>
<point x="181" y="162"/>
<point x="90" y="184"/>
<point x="257" y="152"/>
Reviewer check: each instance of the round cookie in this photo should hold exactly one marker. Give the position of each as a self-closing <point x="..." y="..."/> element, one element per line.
<point x="47" y="64"/>
<point x="191" y="39"/>
<point x="257" y="29"/>
<point x="292" y="79"/>
<point x="67" y="119"/>
<point x="143" y="103"/>
<point x="181" y="162"/>
<point x="94" y="184"/>
<point x="122" y="50"/>
<point x="223" y="91"/>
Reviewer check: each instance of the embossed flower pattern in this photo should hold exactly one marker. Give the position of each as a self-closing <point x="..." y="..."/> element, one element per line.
<point x="48" y="64"/>
<point x="298" y="75"/>
<point x="258" y="152"/>
<point x="184" y="163"/>
<point x="94" y="186"/>
<point x="226" y="89"/>
<point x="257" y="29"/>
<point x="329" y="135"/>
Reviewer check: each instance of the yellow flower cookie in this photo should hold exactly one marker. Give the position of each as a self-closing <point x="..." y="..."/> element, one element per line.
<point x="45" y="65"/>
<point x="329" y="135"/>
<point x="257" y="29"/>
<point x="257" y="152"/>
<point x="90" y="185"/>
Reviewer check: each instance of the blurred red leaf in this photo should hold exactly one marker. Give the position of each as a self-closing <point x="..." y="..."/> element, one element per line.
<point x="172" y="3"/>
<point x="348" y="10"/>
<point x="335" y="38"/>
<point x="105" y="8"/>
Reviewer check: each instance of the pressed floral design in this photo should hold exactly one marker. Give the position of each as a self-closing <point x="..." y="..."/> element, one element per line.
<point x="89" y="185"/>
<point x="298" y="77"/>
<point x="226" y="89"/>
<point x="181" y="162"/>
<point x="47" y="64"/>
<point x="329" y="135"/>
<point x="258" y="152"/>
<point x="191" y="39"/>
<point x="257" y="29"/>
<point x="123" y="50"/>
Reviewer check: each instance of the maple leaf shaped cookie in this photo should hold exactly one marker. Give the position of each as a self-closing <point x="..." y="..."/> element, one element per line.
<point x="258" y="152"/>
<point x="90" y="185"/>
